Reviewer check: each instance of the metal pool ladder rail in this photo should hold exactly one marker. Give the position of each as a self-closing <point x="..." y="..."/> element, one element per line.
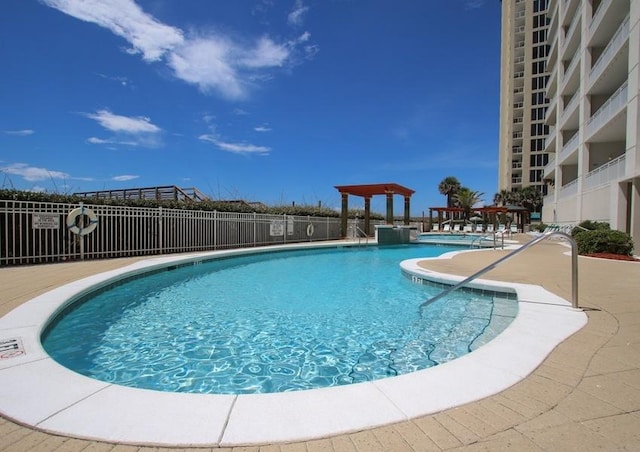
<point x="546" y="235"/>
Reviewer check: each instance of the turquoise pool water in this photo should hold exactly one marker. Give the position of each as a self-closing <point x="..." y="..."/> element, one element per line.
<point x="457" y="238"/>
<point x="269" y="322"/>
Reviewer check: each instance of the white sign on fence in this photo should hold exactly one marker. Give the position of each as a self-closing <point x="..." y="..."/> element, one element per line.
<point x="276" y="228"/>
<point x="46" y="221"/>
<point x="289" y="226"/>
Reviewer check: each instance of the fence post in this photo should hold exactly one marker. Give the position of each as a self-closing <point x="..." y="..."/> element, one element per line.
<point x="160" y="231"/>
<point x="255" y="229"/>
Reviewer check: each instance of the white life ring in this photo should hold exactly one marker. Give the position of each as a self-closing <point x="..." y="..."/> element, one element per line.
<point x="73" y="216"/>
<point x="309" y="230"/>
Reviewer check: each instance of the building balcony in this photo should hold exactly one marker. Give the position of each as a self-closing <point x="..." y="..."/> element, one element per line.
<point x="516" y="165"/>
<point x="598" y="14"/>
<point x="605" y="21"/>
<point x="570" y="111"/>
<point x="612" y="49"/>
<point x="571" y="76"/>
<point x="605" y="174"/>
<point x="550" y="140"/>
<point x="572" y="35"/>
<point x="516" y="149"/>
<point x="550" y="168"/>
<point x="614" y="106"/>
<point x="516" y="180"/>
<point x="552" y="110"/>
<point x="570" y="189"/>
<point x="570" y="8"/>
<point x="516" y="135"/>
<point x="570" y="149"/>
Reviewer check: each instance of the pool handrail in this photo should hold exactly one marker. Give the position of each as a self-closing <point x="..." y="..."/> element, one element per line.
<point x="364" y="234"/>
<point x="544" y="236"/>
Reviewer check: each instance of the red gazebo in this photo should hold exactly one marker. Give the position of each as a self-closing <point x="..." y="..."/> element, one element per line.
<point x="369" y="190"/>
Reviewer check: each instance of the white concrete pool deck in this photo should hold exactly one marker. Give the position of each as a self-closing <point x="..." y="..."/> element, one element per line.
<point x="38" y="392"/>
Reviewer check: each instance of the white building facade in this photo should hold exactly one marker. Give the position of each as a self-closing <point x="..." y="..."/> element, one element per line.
<point x="593" y="114"/>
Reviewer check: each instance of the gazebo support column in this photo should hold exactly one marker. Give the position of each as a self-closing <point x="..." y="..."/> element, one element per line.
<point x="367" y="216"/>
<point x="407" y="210"/>
<point x="389" y="207"/>
<point x="344" y="215"/>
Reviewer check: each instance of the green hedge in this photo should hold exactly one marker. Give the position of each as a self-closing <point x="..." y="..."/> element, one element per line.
<point x="604" y="241"/>
<point x="207" y="205"/>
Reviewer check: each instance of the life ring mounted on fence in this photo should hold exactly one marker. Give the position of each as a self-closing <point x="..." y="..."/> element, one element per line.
<point x="72" y="219"/>
<point x="309" y="230"/>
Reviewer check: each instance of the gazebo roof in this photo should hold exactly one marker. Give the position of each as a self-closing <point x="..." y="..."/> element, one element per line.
<point x="368" y="190"/>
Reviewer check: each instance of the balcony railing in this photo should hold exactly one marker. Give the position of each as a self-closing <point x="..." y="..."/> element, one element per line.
<point x="569" y="107"/>
<point x="516" y="149"/>
<point x="551" y="136"/>
<point x="605" y="174"/>
<point x="570" y="189"/>
<point x="516" y="180"/>
<point x="621" y="35"/>
<point x="516" y="165"/>
<point x="570" y="67"/>
<point x="550" y="166"/>
<point x="572" y="26"/>
<point x="608" y="110"/>
<point x="517" y="135"/>
<point x="569" y="147"/>
<point x="598" y="13"/>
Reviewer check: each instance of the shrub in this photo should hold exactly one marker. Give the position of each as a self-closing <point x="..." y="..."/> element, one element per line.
<point x="604" y="241"/>
<point x="590" y="226"/>
<point x="540" y="227"/>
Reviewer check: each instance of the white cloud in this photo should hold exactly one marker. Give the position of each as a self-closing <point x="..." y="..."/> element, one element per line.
<point x="126" y="19"/>
<point x="125" y="124"/>
<point x="296" y="17"/>
<point x="139" y="142"/>
<point x="32" y="173"/>
<point x="266" y="53"/>
<point x="236" y="148"/>
<point x="213" y="63"/>
<point x="262" y="129"/>
<point x="124" y="178"/>
<point x="206" y="63"/>
<point x="474" y="4"/>
<point x="20" y="133"/>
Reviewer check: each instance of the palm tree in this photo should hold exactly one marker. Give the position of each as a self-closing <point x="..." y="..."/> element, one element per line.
<point x="449" y="186"/>
<point x="503" y="197"/>
<point x="466" y="199"/>
<point x="531" y="198"/>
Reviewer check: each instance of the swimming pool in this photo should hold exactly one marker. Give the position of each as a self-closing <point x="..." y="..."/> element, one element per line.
<point x="273" y="322"/>
<point x="37" y="391"/>
<point x="475" y="240"/>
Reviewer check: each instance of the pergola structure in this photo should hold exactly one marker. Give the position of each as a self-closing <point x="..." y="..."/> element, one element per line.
<point x="490" y="212"/>
<point x="369" y="190"/>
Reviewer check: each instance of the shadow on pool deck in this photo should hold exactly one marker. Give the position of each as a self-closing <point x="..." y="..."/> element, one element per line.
<point x="584" y="396"/>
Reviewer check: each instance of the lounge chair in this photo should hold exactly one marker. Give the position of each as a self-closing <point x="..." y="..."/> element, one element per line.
<point x="446" y="228"/>
<point x="435" y="227"/>
<point x="478" y="228"/>
<point x="456" y="228"/>
<point x="513" y="229"/>
<point x="489" y="228"/>
<point x="467" y="228"/>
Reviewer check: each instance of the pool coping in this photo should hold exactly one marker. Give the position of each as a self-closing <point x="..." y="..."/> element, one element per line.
<point x="36" y="391"/>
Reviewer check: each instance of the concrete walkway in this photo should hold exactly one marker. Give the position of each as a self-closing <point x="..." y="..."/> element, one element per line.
<point x="585" y="396"/>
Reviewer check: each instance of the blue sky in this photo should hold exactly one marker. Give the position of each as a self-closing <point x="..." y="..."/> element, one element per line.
<point x="266" y="100"/>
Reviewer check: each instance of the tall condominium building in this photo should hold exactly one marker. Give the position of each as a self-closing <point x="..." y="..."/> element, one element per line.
<point x="593" y="114"/>
<point x="523" y="100"/>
